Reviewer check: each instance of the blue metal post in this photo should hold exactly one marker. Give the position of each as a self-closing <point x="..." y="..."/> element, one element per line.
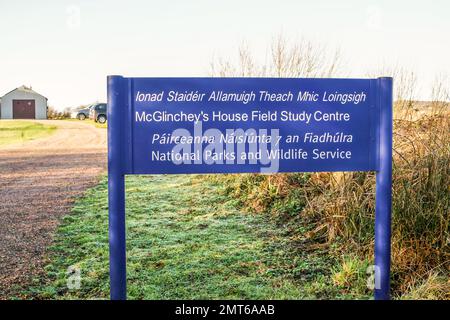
<point x="117" y="99"/>
<point x="383" y="192"/>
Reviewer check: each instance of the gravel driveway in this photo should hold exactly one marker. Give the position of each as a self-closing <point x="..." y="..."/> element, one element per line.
<point x="39" y="181"/>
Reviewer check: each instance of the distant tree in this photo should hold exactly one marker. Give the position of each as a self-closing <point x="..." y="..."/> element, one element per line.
<point x="52" y="113"/>
<point x="286" y="59"/>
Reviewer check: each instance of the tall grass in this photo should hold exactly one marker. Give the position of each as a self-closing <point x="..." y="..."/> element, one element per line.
<point x="336" y="210"/>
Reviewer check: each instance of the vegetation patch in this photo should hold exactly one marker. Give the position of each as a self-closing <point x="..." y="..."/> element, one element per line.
<point x="337" y="210"/>
<point x="185" y="240"/>
<point x="16" y="131"/>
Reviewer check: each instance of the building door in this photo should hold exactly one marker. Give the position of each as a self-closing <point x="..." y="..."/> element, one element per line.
<point x="24" y="109"/>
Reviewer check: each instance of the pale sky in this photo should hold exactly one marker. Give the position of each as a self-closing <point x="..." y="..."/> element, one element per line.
<point x="65" y="49"/>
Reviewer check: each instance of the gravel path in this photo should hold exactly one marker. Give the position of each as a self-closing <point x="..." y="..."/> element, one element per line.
<point x="39" y="180"/>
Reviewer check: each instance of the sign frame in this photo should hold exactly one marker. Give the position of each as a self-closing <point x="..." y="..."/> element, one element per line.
<point x="119" y="144"/>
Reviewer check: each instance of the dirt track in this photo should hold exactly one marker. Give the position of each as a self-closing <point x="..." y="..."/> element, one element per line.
<point x="39" y="180"/>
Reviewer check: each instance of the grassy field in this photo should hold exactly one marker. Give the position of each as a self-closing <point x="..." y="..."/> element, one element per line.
<point x="17" y="131"/>
<point x="185" y="240"/>
<point x="91" y="122"/>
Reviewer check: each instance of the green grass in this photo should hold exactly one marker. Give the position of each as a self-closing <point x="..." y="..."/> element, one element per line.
<point x="185" y="240"/>
<point x="17" y="131"/>
<point x="91" y="122"/>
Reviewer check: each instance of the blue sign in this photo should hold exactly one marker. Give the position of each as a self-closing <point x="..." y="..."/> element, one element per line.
<point x="260" y="125"/>
<point x="226" y="125"/>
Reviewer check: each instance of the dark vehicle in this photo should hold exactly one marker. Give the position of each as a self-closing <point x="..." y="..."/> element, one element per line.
<point x="81" y="114"/>
<point x="98" y="112"/>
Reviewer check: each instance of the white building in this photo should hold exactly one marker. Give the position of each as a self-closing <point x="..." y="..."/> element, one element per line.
<point x="23" y="103"/>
